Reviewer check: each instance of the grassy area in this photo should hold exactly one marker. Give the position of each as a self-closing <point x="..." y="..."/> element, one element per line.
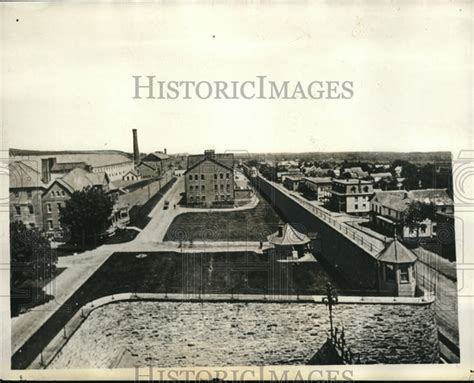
<point x="246" y="225"/>
<point x="236" y="273"/>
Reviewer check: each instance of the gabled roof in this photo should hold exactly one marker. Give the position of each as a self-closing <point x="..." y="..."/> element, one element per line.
<point x="24" y="176"/>
<point x="149" y="164"/>
<point x="226" y="159"/>
<point x="155" y="156"/>
<point x="290" y="237"/>
<point x="77" y="179"/>
<point x="393" y="199"/>
<point x="217" y="162"/>
<point x="395" y="252"/>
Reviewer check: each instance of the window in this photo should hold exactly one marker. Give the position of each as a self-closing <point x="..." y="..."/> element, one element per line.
<point x="215" y="187"/>
<point x="18" y="210"/>
<point x="227" y="175"/>
<point x="48" y="207"/>
<point x="222" y="186"/>
<point x="203" y="188"/>
<point x="215" y="176"/>
<point x="190" y="176"/>
<point x="221" y="175"/>
<point x="59" y="206"/>
<point x="404" y="275"/>
<point x="216" y="197"/>
<point x="50" y="224"/>
<point x="196" y="177"/>
<point x="228" y="187"/>
<point x="53" y="193"/>
<point x="30" y="209"/>
<point x="191" y="199"/>
<point x="353" y="189"/>
<point x="356" y="207"/>
<point x="366" y="189"/>
<point x="203" y="198"/>
<point x="202" y="176"/>
<point x="191" y="187"/>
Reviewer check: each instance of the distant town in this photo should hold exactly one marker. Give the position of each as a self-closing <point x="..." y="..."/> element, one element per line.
<point x="367" y="238"/>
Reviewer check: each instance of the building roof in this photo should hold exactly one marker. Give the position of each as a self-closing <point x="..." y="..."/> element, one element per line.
<point x="436" y="196"/>
<point x="289" y="237"/>
<point x="24" y="176"/>
<point x="97" y="158"/>
<point x="77" y="179"/>
<point x="395" y="252"/>
<point x="68" y="166"/>
<point x="351" y="181"/>
<point x="217" y="162"/>
<point x="155" y="156"/>
<point x="356" y="172"/>
<point x="393" y="199"/>
<point x="149" y="164"/>
<point x="319" y="180"/>
<point x="226" y="159"/>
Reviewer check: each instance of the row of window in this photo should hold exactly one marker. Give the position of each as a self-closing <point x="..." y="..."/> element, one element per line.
<point x="49" y="207"/>
<point x="203" y="176"/>
<point x="203" y="187"/>
<point x="58" y="193"/>
<point x="203" y="198"/>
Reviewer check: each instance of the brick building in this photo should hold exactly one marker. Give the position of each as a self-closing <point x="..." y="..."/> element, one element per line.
<point x="61" y="189"/>
<point x="154" y="164"/>
<point x="26" y="189"/>
<point x="209" y="179"/>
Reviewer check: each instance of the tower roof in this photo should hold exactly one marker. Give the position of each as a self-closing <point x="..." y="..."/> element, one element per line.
<point x="288" y="236"/>
<point x="395" y="252"/>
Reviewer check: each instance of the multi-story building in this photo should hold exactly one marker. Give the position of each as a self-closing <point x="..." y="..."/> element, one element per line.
<point x="154" y="164"/>
<point x="318" y="187"/>
<point x="209" y="179"/>
<point x="60" y="190"/>
<point x="26" y="189"/>
<point x="389" y="207"/>
<point x="351" y="195"/>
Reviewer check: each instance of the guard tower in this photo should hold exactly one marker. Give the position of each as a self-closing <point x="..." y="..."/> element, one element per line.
<point x="289" y="242"/>
<point x="396" y="270"/>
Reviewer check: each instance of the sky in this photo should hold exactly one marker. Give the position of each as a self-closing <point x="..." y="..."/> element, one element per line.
<point x="67" y="76"/>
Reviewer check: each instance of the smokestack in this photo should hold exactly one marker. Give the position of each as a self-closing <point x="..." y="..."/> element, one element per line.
<point x="136" y="152"/>
<point x="165" y="151"/>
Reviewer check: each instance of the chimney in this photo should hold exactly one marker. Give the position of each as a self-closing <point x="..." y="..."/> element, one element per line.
<point x="280" y="231"/>
<point x="209" y="153"/>
<point x="165" y="151"/>
<point x="46" y="165"/>
<point x="136" y="152"/>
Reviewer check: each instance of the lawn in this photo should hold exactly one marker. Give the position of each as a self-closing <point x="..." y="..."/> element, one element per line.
<point x="246" y="225"/>
<point x="243" y="272"/>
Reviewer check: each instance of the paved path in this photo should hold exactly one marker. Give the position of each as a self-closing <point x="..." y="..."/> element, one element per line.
<point x="79" y="267"/>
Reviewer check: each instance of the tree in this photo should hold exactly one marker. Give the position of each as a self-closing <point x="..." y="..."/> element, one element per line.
<point x="86" y="215"/>
<point x="33" y="264"/>
<point x="416" y="213"/>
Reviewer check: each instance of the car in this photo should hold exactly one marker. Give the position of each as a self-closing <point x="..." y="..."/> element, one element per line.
<point x="166" y="205"/>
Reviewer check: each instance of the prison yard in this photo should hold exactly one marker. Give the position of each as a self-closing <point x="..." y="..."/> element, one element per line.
<point x="223" y="266"/>
<point x="244" y="225"/>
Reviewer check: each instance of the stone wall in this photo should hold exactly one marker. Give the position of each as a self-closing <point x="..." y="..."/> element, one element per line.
<point x="354" y="264"/>
<point x="172" y="334"/>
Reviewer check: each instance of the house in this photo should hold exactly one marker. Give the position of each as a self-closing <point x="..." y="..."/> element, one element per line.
<point x="158" y="162"/>
<point x="292" y="182"/>
<point x="318" y="188"/>
<point x="388" y="209"/>
<point x="61" y="189"/>
<point x="351" y="195"/>
<point x="26" y="189"/>
<point x="131" y="175"/>
<point x="209" y="179"/>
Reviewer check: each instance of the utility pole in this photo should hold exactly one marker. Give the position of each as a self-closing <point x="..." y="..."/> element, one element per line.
<point x="330" y="300"/>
